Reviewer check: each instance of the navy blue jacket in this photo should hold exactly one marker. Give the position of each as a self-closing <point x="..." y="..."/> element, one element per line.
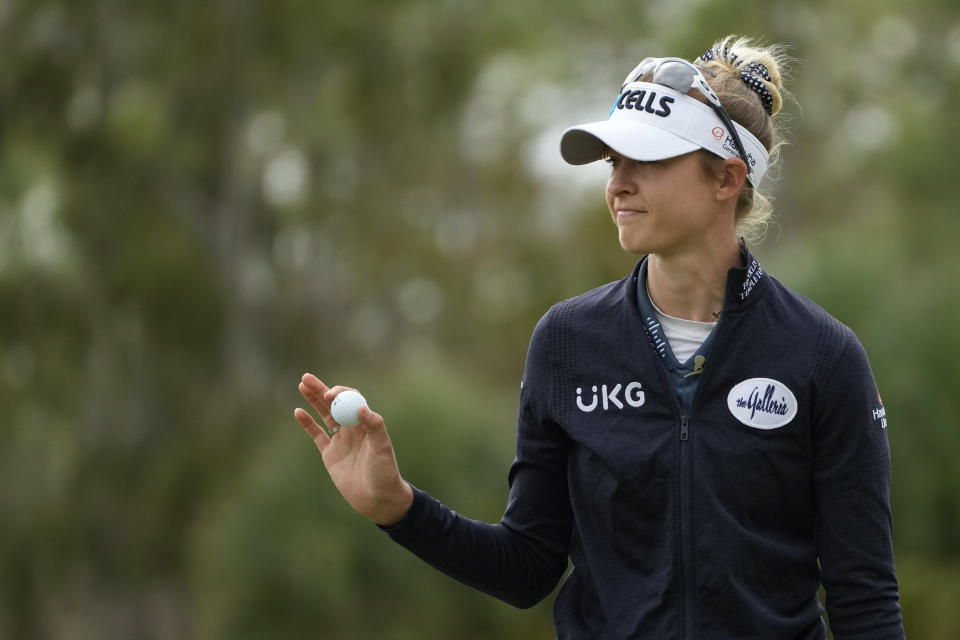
<point x="712" y="522"/>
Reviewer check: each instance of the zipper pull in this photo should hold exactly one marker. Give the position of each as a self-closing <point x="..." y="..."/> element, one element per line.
<point x="684" y="431"/>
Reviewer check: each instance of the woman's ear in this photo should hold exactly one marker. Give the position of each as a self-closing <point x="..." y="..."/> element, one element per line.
<point x="732" y="178"/>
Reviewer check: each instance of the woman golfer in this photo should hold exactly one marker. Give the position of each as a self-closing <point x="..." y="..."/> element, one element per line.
<point x="706" y="446"/>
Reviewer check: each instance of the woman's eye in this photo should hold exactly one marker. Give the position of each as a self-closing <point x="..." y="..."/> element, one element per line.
<point x="615" y="162"/>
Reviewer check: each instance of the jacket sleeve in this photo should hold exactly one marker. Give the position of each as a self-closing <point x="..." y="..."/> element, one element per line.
<point x="851" y="483"/>
<point x="521" y="559"/>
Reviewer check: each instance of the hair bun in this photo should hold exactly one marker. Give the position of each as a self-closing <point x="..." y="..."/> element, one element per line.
<point x="758" y="67"/>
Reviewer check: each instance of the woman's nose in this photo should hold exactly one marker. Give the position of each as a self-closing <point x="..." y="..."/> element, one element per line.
<point x="621" y="180"/>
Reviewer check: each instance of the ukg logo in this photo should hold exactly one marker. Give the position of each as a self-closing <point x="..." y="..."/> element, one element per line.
<point x="607" y="397"/>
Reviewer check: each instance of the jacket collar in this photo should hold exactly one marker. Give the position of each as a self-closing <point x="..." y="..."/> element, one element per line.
<point x="744" y="284"/>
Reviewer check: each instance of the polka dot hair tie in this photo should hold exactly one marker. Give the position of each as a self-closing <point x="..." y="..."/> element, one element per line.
<point x="759" y="69"/>
<point x="749" y="73"/>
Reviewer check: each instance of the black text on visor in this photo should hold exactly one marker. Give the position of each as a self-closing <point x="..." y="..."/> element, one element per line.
<point x="682" y="76"/>
<point x="651" y="122"/>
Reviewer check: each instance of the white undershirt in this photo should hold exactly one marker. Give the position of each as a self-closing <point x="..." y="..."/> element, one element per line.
<point x="684" y="336"/>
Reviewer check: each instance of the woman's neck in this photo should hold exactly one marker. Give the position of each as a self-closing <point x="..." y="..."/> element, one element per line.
<point x="692" y="285"/>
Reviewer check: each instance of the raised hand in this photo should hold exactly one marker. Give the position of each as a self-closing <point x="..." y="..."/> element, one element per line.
<point x="360" y="459"/>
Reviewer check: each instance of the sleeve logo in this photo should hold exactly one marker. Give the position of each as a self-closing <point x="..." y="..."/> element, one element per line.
<point x="762" y="403"/>
<point x="880" y="414"/>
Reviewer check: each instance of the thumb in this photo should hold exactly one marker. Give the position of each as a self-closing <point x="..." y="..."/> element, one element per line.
<point x="373" y="423"/>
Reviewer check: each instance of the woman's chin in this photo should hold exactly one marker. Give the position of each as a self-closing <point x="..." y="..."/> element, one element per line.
<point x="632" y="244"/>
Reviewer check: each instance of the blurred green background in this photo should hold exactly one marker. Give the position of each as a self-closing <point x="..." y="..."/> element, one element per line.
<point x="200" y="201"/>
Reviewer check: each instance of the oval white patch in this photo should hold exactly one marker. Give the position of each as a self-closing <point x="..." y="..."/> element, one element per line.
<point x="762" y="403"/>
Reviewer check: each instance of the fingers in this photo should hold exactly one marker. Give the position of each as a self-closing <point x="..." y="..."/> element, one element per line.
<point x="330" y="394"/>
<point x="315" y="431"/>
<point x="313" y="390"/>
<point x="320" y="396"/>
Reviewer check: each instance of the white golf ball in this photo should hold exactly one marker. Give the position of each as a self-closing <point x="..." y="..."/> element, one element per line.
<point x="345" y="406"/>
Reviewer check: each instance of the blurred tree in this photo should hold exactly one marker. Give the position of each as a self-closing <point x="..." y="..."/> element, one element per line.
<point x="198" y="202"/>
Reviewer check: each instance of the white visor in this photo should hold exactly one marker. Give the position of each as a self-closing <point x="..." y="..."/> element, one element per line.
<point x="654" y="122"/>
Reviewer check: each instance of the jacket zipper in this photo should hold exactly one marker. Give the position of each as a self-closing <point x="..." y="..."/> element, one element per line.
<point x="686" y="482"/>
<point x="686" y="554"/>
<point x="682" y="509"/>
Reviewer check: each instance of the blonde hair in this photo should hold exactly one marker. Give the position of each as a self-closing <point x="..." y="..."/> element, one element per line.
<point x="723" y="65"/>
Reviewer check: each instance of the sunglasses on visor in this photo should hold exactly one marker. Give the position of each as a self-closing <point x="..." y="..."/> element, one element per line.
<point x="682" y="76"/>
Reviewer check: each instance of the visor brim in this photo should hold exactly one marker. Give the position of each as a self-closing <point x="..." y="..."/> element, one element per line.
<point x="587" y="143"/>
